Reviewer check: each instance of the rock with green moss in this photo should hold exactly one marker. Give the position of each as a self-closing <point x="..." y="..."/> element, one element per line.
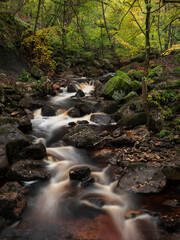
<point x="135" y="75"/>
<point x="82" y="136"/>
<point x="118" y="84"/>
<point x="157" y="71"/>
<point x="136" y="86"/>
<point x="14" y="140"/>
<point x="36" y="72"/>
<point x="132" y="120"/>
<point x="129" y="96"/>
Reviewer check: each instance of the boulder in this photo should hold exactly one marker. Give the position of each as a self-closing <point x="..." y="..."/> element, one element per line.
<point x="48" y="111"/>
<point x="74" y="112"/>
<point x="25" y="126"/>
<point x="129" y="96"/>
<point x="106" y="77"/>
<point x="132" y="120"/>
<point x="12" y="205"/>
<point x="109" y="106"/>
<point x="82" y="136"/>
<point x="4" y="165"/>
<point x="101" y="118"/>
<point x="27" y="170"/>
<point x="14" y="140"/>
<point x="98" y="89"/>
<point x="172" y="172"/>
<point x="9" y="187"/>
<point x="34" y="151"/>
<point x="72" y="87"/>
<point x="157" y="71"/>
<point x="140" y="178"/>
<point x="87" y="107"/>
<point x="80" y="173"/>
<point x="136" y="86"/>
<point x="36" y="72"/>
<point x="118" y="84"/>
<point x="80" y="94"/>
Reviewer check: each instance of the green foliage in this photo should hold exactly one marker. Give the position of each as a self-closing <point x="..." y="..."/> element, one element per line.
<point x="25" y="76"/>
<point x="162" y="133"/>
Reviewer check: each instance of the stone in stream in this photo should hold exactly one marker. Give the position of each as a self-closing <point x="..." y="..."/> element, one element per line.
<point x="28" y="170"/>
<point x="14" y="140"/>
<point x="25" y="126"/>
<point x="34" y="151"/>
<point x="12" y="205"/>
<point x="72" y="87"/>
<point x="74" y="112"/>
<point x="87" y="182"/>
<point x="48" y="111"/>
<point x="101" y="118"/>
<point x="4" y="165"/>
<point x="140" y="178"/>
<point x="81" y="173"/>
<point x="80" y="94"/>
<point x="82" y="136"/>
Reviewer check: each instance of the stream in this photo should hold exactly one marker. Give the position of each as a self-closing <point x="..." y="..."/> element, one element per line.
<point x="64" y="208"/>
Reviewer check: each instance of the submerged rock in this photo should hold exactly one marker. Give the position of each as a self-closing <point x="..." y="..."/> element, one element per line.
<point x="74" y="112"/>
<point x="27" y="170"/>
<point x="140" y="178"/>
<point x="72" y="87"/>
<point x="82" y="136"/>
<point x="80" y="94"/>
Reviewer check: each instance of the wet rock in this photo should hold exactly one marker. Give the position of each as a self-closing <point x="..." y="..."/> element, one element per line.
<point x="171" y="224"/>
<point x="72" y="124"/>
<point x="80" y="173"/>
<point x="87" y="182"/>
<point x="140" y="178"/>
<point x="82" y="136"/>
<point x="36" y="72"/>
<point x="14" y="140"/>
<point x="25" y="126"/>
<point x="97" y="201"/>
<point x="13" y="187"/>
<point x="80" y="94"/>
<point x="87" y="107"/>
<point x="172" y="172"/>
<point x="72" y="87"/>
<point x="132" y="120"/>
<point x="74" y="112"/>
<point x="172" y="203"/>
<point x="48" y="111"/>
<point x="27" y="170"/>
<point x="12" y="205"/>
<point x="101" y="118"/>
<point x="4" y="165"/>
<point x="34" y="151"/>
<point x="82" y="122"/>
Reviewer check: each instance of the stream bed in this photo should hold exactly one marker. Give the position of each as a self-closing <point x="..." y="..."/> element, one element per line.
<point x="81" y="200"/>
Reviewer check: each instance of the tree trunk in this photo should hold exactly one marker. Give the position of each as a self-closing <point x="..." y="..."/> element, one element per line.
<point x="37" y="16"/>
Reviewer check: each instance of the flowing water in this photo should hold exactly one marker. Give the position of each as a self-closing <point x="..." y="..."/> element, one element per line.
<point x="63" y="208"/>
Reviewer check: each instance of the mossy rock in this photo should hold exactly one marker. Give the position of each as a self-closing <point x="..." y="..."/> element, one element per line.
<point x="137" y="105"/>
<point x="132" y="120"/>
<point x="157" y="71"/>
<point x="36" y="72"/>
<point x="136" y="86"/>
<point x="129" y="96"/>
<point x="119" y="83"/>
<point x="135" y="75"/>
